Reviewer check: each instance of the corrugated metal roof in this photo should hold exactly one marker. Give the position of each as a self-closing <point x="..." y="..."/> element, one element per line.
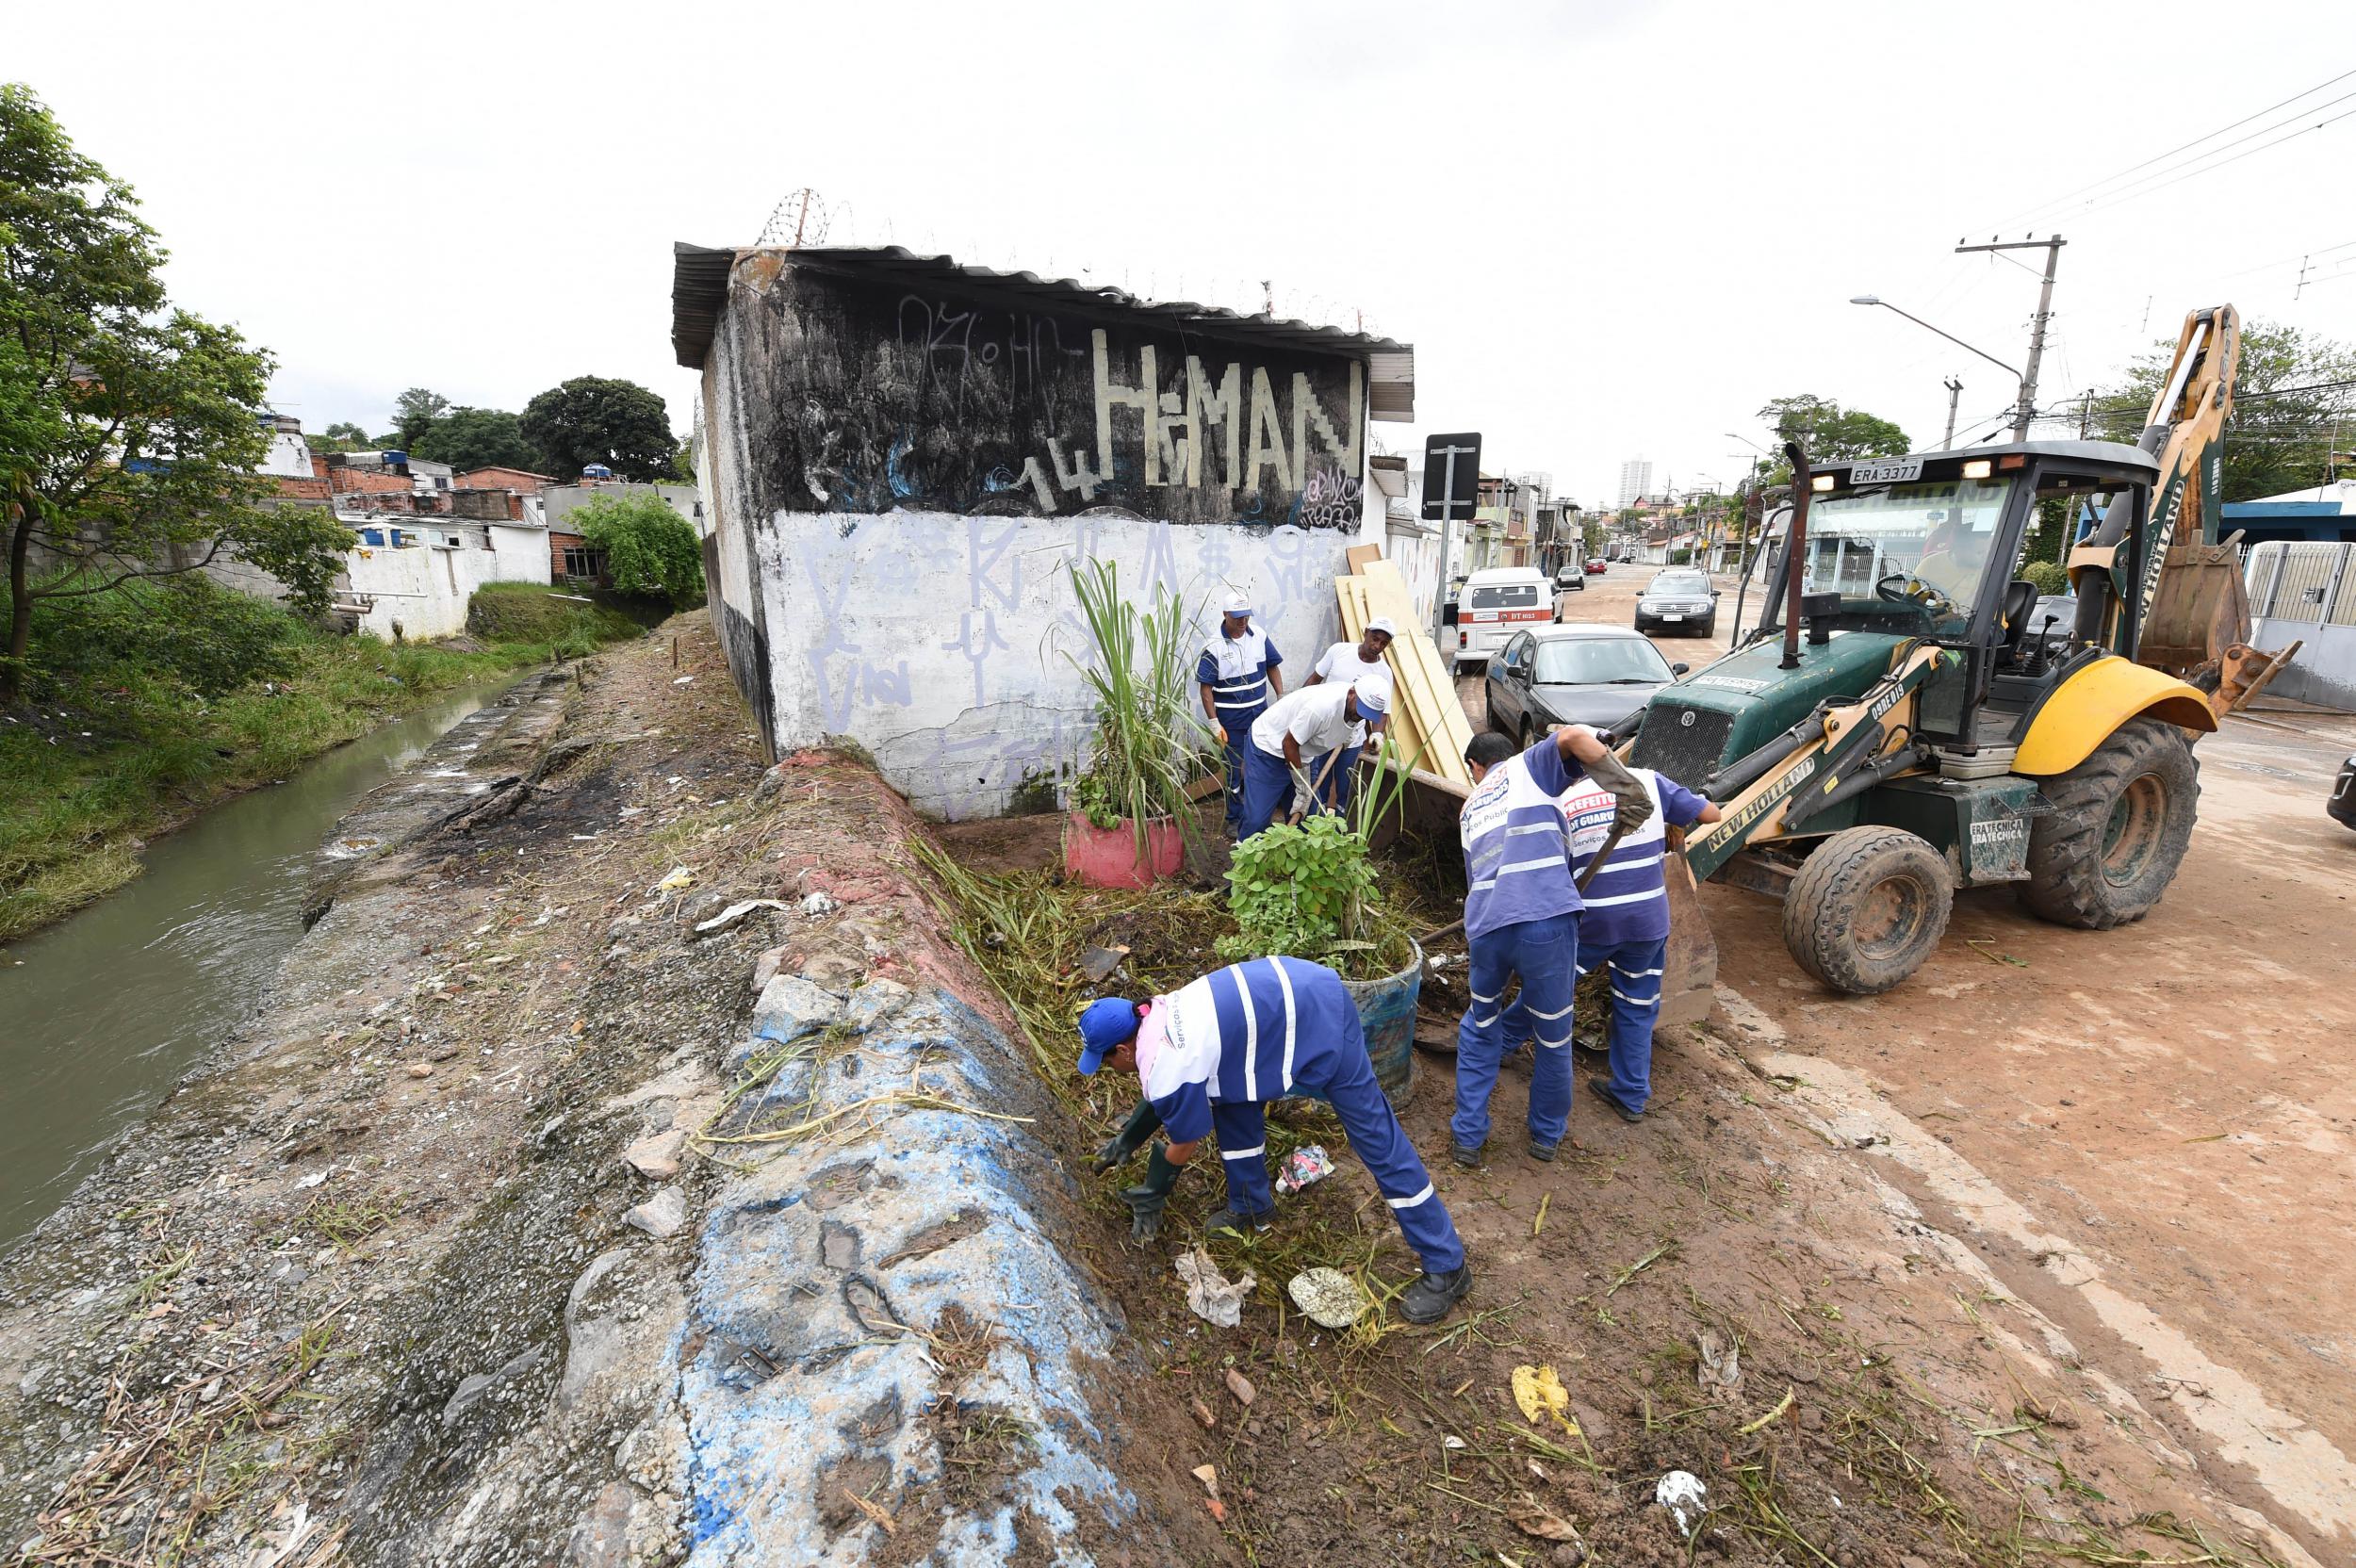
<point x="699" y="292"/>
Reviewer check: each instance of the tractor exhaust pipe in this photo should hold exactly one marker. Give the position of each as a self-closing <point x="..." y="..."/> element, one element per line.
<point x="1794" y="553"/>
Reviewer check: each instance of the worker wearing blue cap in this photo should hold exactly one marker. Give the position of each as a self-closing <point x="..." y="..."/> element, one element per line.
<point x="1213" y="1054"/>
<point x="1314" y="721"/>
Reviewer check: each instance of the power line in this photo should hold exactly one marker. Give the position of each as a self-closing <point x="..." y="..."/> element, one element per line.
<point x="2190" y="174"/>
<point x="2173" y="150"/>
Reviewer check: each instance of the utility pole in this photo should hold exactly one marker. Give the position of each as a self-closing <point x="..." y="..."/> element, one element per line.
<point x="2051" y="247"/>
<point x="1954" y="390"/>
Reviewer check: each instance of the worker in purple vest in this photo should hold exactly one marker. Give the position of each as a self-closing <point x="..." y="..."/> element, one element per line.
<point x="1521" y="917"/>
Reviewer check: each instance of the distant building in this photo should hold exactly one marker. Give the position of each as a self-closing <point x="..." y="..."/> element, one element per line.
<point x="521" y="482"/>
<point x="1635" y="479"/>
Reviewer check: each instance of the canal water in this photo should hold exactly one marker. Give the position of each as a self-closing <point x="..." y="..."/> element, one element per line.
<point x="101" y="1013"/>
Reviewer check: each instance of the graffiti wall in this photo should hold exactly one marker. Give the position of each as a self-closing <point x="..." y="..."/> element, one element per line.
<point x="897" y="483"/>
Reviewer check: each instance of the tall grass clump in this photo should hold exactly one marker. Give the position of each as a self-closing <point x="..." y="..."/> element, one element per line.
<point x="1146" y="747"/>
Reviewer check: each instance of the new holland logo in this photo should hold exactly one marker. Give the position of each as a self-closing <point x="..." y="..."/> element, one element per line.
<point x="1800" y="772"/>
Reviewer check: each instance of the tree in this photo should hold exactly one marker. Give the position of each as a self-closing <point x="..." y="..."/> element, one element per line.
<point x="1829" y="432"/>
<point x="475" y="438"/>
<point x="2285" y="412"/>
<point x="342" y="436"/>
<point x="414" y="414"/>
<point x="130" y="433"/>
<point x="649" y="549"/>
<point x="594" y="419"/>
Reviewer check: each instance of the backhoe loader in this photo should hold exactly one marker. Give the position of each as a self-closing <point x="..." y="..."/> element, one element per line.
<point x="1896" y="728"/>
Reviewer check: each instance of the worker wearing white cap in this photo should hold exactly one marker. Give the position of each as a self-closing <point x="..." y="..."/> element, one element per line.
<point x="1238" y="677"/>
<point x="1361" y="664"/>
<point x="1314" y="721"/>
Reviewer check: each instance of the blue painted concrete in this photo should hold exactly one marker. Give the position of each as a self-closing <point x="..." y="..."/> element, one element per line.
<point x="798" y="1355"/>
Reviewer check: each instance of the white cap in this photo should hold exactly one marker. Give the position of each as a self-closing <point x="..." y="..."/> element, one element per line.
<point x="1382" y="624"/>
<point x="1372" y="699"/>
<point x="1238" y="604"/>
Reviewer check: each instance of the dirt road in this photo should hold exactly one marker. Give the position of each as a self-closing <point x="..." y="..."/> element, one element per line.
<point x="2148" y="1133"/>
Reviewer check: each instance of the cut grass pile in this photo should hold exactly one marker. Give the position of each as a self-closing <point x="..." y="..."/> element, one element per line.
<point x="150" y="703"/>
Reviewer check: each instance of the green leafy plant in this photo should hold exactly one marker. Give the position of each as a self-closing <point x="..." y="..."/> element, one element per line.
<point x="651" y="550"/>
<point x="1139" y="672"/>
<point x="2049" y="577"/>
<point x="1309" y="889"/>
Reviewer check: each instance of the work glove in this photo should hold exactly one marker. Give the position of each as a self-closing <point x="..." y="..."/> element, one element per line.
<point x="1148" y="1198"/>
<point x="1142" y="1124"/>
<point x="1632" y="807"/>
<point x="1219" y="730"/>
<point x="1631" y="811"/>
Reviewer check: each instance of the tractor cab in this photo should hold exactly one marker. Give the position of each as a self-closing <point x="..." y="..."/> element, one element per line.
<point x="1927" y="548"/>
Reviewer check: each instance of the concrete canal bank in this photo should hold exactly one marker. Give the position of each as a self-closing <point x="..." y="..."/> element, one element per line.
<point x="422" y="1263"/>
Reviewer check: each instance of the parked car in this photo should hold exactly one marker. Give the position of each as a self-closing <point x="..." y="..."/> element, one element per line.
<point x="1678" y="599"/>
<point x="1583" y="673"/>
<point x="1594" y="565"/>
<point x="1495" y="604"/>
<point x="2343" y="802"/>
<point x="1570" y="580"/>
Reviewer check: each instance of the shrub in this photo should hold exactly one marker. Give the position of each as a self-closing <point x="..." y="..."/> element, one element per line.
<point x="1140" y="672"/>
<point x="186" y="630"/>
<point x="535" y="614"/>
<point x="2049" y="577"/>
<point x="649" y="549"/>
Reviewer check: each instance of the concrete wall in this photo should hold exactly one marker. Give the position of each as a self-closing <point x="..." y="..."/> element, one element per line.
<point x="938" y="642"/>
<point x="893" y="485"/>
<point x="424" y="590"/>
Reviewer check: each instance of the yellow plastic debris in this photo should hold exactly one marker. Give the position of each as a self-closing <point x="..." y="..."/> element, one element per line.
<point x="1536" y="1390"/>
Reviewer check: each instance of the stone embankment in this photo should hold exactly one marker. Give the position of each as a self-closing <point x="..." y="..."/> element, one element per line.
<point x="526" y="1222"/>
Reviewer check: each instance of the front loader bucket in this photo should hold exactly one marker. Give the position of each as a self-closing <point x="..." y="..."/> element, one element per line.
<point x="1689" y="973"/>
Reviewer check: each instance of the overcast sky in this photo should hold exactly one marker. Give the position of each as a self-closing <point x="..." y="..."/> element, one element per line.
<point x="1610" y="229"/>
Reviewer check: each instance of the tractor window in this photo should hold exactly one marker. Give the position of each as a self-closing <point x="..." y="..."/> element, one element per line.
<point x="1899" y="548"/>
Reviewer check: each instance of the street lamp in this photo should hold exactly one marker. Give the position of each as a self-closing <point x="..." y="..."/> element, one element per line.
<point x="1877" y="300"/>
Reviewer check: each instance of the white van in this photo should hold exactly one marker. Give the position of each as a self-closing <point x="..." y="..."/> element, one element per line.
<point x="1493" y="605"/>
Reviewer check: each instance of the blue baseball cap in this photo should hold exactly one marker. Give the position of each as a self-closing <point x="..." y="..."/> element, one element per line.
<point x="1370" y="701"/>
<point x="1105" y="1023"/>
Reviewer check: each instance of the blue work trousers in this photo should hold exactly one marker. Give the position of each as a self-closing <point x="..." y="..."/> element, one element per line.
<point x="1343" y="1079"/>
<point x="1238" y="728"/>
<point x="1268" y="791"/>
<point x="1545" y="954"/>
<point x="1633" y="972"/>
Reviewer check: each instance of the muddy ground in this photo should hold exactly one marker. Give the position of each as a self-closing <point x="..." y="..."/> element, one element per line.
<point x="363" y="1290"/>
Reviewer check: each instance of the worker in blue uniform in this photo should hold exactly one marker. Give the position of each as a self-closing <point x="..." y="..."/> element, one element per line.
<point x="1238" y="677"/>
<point x="1213" y="1054"/>
<point x="1521" y="920"/>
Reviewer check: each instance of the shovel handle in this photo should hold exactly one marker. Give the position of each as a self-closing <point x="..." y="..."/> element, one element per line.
<point x="1610" y="842"/>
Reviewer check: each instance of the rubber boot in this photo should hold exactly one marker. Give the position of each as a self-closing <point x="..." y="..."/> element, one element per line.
<point x="1430" y="1297"/>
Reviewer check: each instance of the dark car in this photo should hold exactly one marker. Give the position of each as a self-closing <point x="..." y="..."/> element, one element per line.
<point x="1678" y="599"/>
<point x="1577" y="674"/>
<point x="2343" y="802"/>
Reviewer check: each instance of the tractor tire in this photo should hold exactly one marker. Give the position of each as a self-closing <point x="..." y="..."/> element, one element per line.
<point x="1866" y="908"/>
<point x="2120" y="822"/>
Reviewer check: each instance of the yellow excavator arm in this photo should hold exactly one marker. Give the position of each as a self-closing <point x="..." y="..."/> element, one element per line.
<point x="2196" y="613"/>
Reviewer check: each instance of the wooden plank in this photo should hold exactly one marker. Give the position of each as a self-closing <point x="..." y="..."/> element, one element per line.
<point x="1425" y="671"/>
<point x="1360" y="554"/>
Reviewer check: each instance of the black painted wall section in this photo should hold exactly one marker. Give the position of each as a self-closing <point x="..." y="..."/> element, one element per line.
<point x="860" y="397"/>
<point x="746" y="649"/>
